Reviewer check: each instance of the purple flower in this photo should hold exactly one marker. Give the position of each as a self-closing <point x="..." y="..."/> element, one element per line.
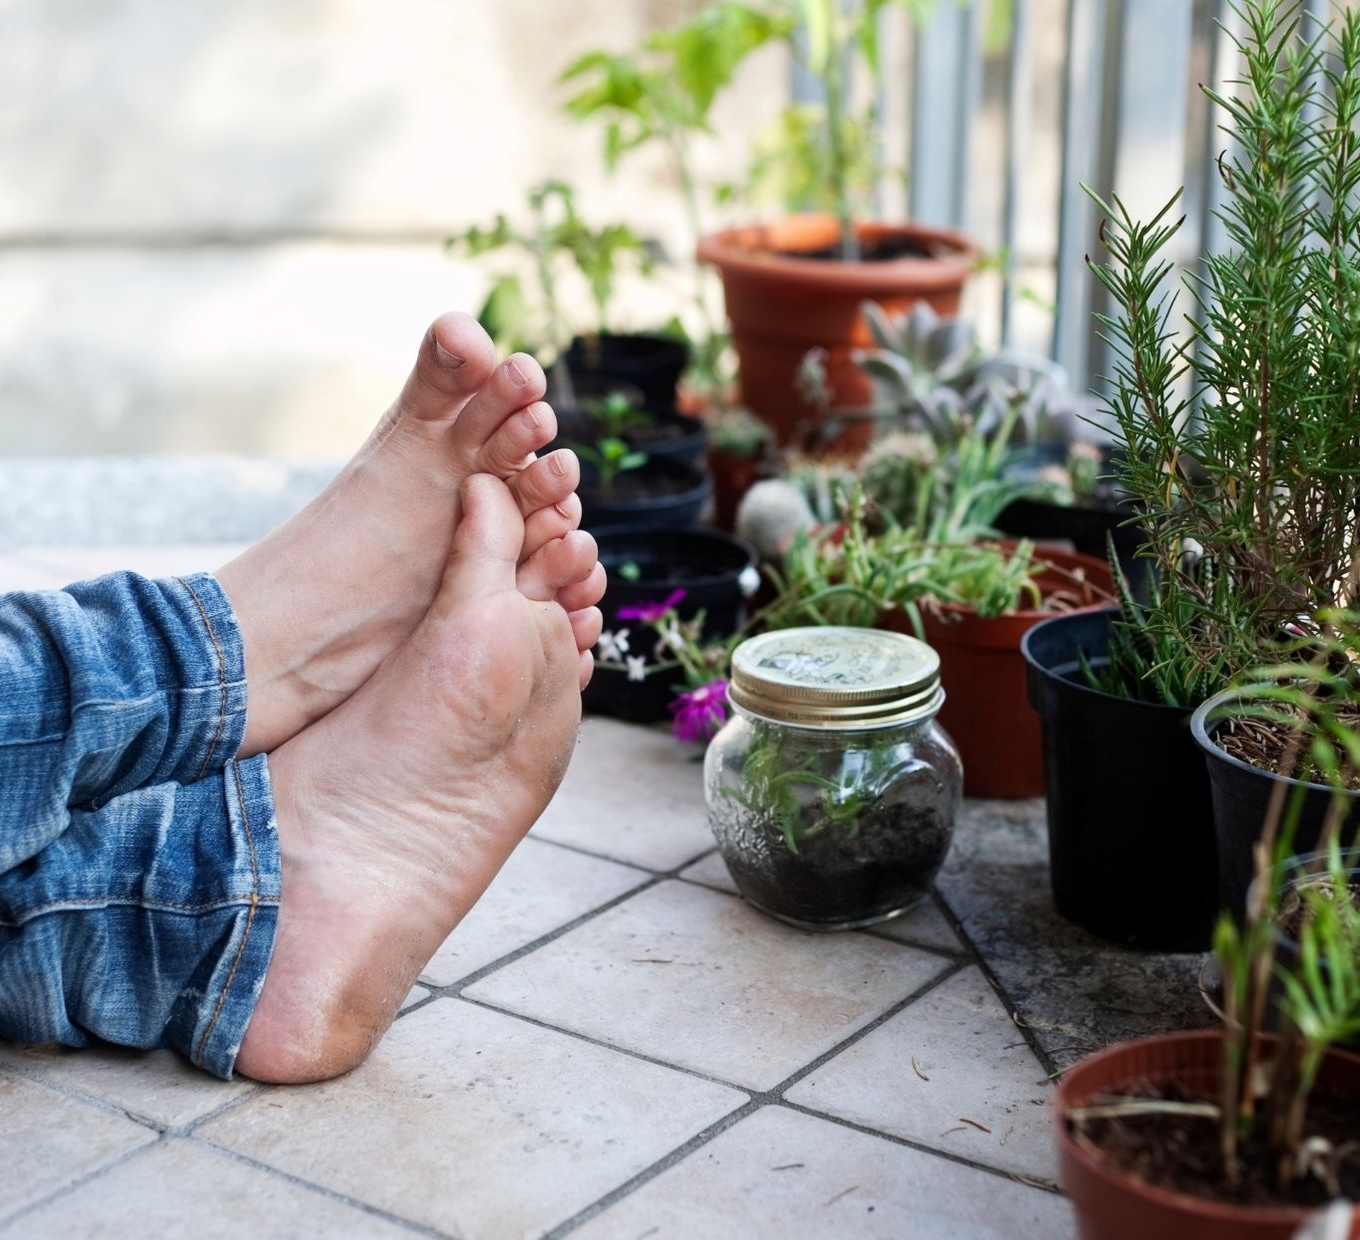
<point x="699" y="713"/>
<point x="649" y="613"/>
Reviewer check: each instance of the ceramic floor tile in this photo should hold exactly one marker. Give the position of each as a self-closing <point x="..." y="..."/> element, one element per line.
<point x="979" y="1068"/>
<point x="476" y="1123"/>
<point x="779" y="1175"/>
<point x="158" y="1087"/>
<point x="701" y="980"/>
<point x="539" y="889"/>
<point x="925" y="924"/>
<point x="182" y="1188"/>
<point x="48" y="1140"/>
<point x="632" y="793"/>
<point x="416" y="995"/>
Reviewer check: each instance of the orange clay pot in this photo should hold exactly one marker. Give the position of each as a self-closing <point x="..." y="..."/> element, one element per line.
<point x="1112" y="1205"/>
<point x="986" y="707"/>
<point x="781" y="305"/>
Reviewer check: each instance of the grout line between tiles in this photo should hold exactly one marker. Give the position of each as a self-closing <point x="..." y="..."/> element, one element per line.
<point x="770" y="1097"/>
<point x="1042" y="1186"/>
<point x="1046" y="1061"/>
<point x="225" y="1109"/>
<point x="672" y="872"/>
<point x="79" y="1095"/>
<point x="667" y="1161"/>
<point x="320" y="1189"/>
<point x="80" y="1181"/>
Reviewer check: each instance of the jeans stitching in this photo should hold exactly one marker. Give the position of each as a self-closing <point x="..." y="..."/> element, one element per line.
<point x="250" y="915"/>
<point x="221" y="678"/>
<point x="154" y="906"/>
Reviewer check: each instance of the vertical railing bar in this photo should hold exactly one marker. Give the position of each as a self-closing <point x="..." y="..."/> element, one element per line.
<point x="974" y="18"/>
<point x="1017" y="124"/>
<point x="1072" y="289"/>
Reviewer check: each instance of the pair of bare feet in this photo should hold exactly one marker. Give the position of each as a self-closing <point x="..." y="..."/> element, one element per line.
<point x="416" y="640"/>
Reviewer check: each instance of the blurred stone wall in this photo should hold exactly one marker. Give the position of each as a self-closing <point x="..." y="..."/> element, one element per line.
<point x="221" y="225"/>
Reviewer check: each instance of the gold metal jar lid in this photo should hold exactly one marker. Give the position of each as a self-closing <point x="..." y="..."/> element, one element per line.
<point x="836" y="677"/>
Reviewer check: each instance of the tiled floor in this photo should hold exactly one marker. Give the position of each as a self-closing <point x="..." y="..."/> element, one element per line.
<point x="612" y="1045"/>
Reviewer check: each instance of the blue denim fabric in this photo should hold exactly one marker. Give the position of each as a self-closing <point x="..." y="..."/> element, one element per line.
<point x="139" y="865"/>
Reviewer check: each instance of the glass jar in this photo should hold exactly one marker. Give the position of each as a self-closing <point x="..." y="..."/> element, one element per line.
<point x="832" y="791"/>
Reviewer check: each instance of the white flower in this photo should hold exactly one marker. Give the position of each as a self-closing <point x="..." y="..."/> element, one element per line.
<point x="637" y="667"/>
<point x="748" y="580"/>
<point x="612" y="646"/>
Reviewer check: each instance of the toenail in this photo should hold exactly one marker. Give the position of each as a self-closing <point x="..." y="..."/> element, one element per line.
<point x="517" y="375"/>
<point x="451" y="360"/>
<point x="562" y="512"/>
<point x="557" y="463"/>
<point x="532" y="418"/>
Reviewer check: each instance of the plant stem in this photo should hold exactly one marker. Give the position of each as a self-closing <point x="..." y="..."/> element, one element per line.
<point x="833" y="82"/>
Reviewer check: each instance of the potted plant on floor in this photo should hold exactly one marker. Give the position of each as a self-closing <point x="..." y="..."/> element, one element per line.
<point x="674" y="602"/>
<point x="1234" y="1132"/>
<point x="556" y="242"/>
<point x="660" y="96"/>
<point x="798" y="283"/>
<point x="623" y="487"/>
<point x="1242" y="453"/>
<point x="971" y="601"/>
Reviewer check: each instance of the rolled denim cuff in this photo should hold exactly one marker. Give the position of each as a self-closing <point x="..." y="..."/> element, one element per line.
<point x="210" y="1030"/>
<point x="211" y="699"/>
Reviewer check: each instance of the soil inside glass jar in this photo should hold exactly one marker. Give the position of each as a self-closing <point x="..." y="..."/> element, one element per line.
<point x="884" y="867"/>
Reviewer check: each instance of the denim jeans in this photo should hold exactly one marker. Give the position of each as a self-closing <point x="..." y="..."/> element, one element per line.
<point x="139" y="862"/>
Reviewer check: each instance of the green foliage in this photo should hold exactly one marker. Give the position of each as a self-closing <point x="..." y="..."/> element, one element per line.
<point x="558" y="236"/>
<point x="855" y="577"/>
<point x="611" y="457"/>
<point x="616" y="415"/>
<point x="1147" y="663"/>
<point x="1264" y="479"/>
<point x="782" y="785"/>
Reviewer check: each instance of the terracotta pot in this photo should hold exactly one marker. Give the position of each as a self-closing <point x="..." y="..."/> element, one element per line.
<point x="732" y="477"/>
<point x="986" y="708"/>
<point x="781" y="305"/>
<point x="1111" y="1205"/>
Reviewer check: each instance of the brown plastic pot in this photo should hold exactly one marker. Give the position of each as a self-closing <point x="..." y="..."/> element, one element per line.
<point x="1111" y="1205"/>
<point x="986" y="707"/>
<point x="781" y="305"/>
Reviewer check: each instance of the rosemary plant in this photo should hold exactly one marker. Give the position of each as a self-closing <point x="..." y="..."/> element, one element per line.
<point x="1243" y="439"/>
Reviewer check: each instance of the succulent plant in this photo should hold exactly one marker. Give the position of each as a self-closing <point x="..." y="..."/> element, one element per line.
<point x="771" y="513"/>
<point x="932" y="372"/>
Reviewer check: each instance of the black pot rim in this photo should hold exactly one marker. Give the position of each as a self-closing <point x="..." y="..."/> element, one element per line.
<point x="710" y="538"/>
<point x="1076" y="685"/>
<point x="1202" y="730"/>
<point x="1281" y="876"/>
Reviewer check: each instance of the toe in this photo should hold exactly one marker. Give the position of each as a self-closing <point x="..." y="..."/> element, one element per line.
<point x="587" y="668"/>
<point x="576" y="595"/>
<point x="486" y="543"/>
<point x="557" y="564"/>
<point x="455" y="358"/>
<point x="548" y="523"/>
<point x="515" y="386"/>
<point x="513" y="444"/>
<point x="548" y="481"/>
<point x="586" y="626"/>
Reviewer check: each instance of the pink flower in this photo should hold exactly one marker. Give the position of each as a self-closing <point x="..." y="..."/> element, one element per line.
<point x="699" y="713"/>
<point x="649" y="613"/>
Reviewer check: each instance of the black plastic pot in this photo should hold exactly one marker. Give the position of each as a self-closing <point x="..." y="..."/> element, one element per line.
<point x="1085" y="526"/>
<point x="661" y="495"/>
<point x="1241" y="796"/>
<point x="670" y="436"/>
<point x="1130" y="822"/>
<point x="716" y="571"/>
<point x="653" y="363"/>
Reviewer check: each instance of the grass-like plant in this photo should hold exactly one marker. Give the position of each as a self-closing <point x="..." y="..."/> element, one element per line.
<point x="1243" y="435"/>
<point x="557" y="237"/>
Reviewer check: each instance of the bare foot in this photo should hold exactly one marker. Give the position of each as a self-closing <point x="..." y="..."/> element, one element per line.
<point x="397" y="809"/>
<point x="327" y="596"/>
